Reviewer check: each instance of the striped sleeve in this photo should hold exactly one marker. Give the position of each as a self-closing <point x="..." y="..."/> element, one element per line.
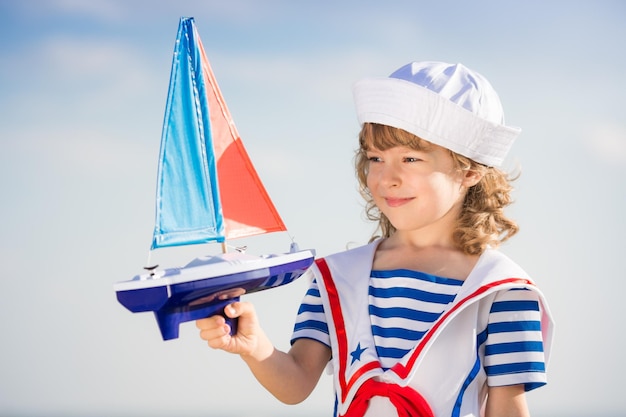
<point x="514" y="345"/>
<point x="311" y="321"/>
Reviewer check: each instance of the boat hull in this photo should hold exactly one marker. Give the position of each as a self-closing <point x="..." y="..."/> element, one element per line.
<point x="206" y="285"/>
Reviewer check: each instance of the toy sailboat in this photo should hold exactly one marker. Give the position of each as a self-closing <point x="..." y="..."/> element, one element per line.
<point x="207" y="191"/>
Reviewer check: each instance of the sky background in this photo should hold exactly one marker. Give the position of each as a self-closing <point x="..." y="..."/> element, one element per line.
<point x="82" y="94"/>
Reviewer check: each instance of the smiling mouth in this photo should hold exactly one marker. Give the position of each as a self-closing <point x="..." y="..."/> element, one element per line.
<point x="396" y="202"/>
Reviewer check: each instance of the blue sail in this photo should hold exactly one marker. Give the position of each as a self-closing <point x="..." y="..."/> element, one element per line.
<point x="188" y="208"/>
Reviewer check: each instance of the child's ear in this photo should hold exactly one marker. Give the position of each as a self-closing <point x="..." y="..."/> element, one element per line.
<point x="471" y="178"/>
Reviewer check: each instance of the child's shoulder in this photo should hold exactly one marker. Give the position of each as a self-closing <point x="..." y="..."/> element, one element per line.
<point x="497" y="263"/>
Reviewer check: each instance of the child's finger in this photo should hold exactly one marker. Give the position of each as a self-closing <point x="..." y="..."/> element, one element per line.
<point x="210" y="322"/>
<point x="238" y="309"/>
<point x="218" y="338"/>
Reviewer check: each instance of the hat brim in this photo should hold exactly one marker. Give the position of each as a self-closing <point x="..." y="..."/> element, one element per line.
<point x="426" y="114"/>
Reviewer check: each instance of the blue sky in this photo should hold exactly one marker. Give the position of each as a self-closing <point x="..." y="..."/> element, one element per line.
<point x="82" y="94"/>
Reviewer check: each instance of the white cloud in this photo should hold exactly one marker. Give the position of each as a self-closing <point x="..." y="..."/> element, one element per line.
<point x="83" y="151"/>
<point x="99" y="61"/>
<point x="100" y="10"/>
<point x="608" y="142"/>
<point x="116" y="11"/>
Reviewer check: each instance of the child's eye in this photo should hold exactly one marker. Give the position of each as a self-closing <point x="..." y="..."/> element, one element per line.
<point x="374" y="158"/>
<point x="411" y="159"/>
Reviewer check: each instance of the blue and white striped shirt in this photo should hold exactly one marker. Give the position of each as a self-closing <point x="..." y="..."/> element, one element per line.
<point x="404" y="304"/>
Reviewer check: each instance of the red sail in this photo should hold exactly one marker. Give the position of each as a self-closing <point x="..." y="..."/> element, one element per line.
<point x="247" y="208"/>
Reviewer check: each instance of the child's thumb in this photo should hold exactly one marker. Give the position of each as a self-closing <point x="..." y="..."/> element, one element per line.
<point x="238" y="309"/>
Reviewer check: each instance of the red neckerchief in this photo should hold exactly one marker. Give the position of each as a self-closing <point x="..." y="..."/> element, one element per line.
<point x="408" y="402"/>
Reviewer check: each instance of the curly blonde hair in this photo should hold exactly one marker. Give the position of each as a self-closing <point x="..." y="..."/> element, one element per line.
<point x="482" y="222"/>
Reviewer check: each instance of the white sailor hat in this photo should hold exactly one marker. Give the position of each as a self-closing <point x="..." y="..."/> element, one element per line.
<point x="448" y="105"/>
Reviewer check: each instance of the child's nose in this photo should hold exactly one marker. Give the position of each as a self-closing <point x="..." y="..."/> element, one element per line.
<point x="390" y="175"/>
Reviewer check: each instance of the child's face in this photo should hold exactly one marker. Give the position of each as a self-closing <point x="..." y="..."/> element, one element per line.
<point x="417" y="190"/>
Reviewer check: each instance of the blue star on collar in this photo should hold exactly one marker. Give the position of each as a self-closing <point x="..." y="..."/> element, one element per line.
<point x="356" y="354"/>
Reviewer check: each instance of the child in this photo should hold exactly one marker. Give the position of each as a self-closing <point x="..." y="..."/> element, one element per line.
<point x="429" y="320"/>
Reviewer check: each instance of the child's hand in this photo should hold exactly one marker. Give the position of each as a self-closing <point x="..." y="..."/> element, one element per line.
<point x="249" y="340"/>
